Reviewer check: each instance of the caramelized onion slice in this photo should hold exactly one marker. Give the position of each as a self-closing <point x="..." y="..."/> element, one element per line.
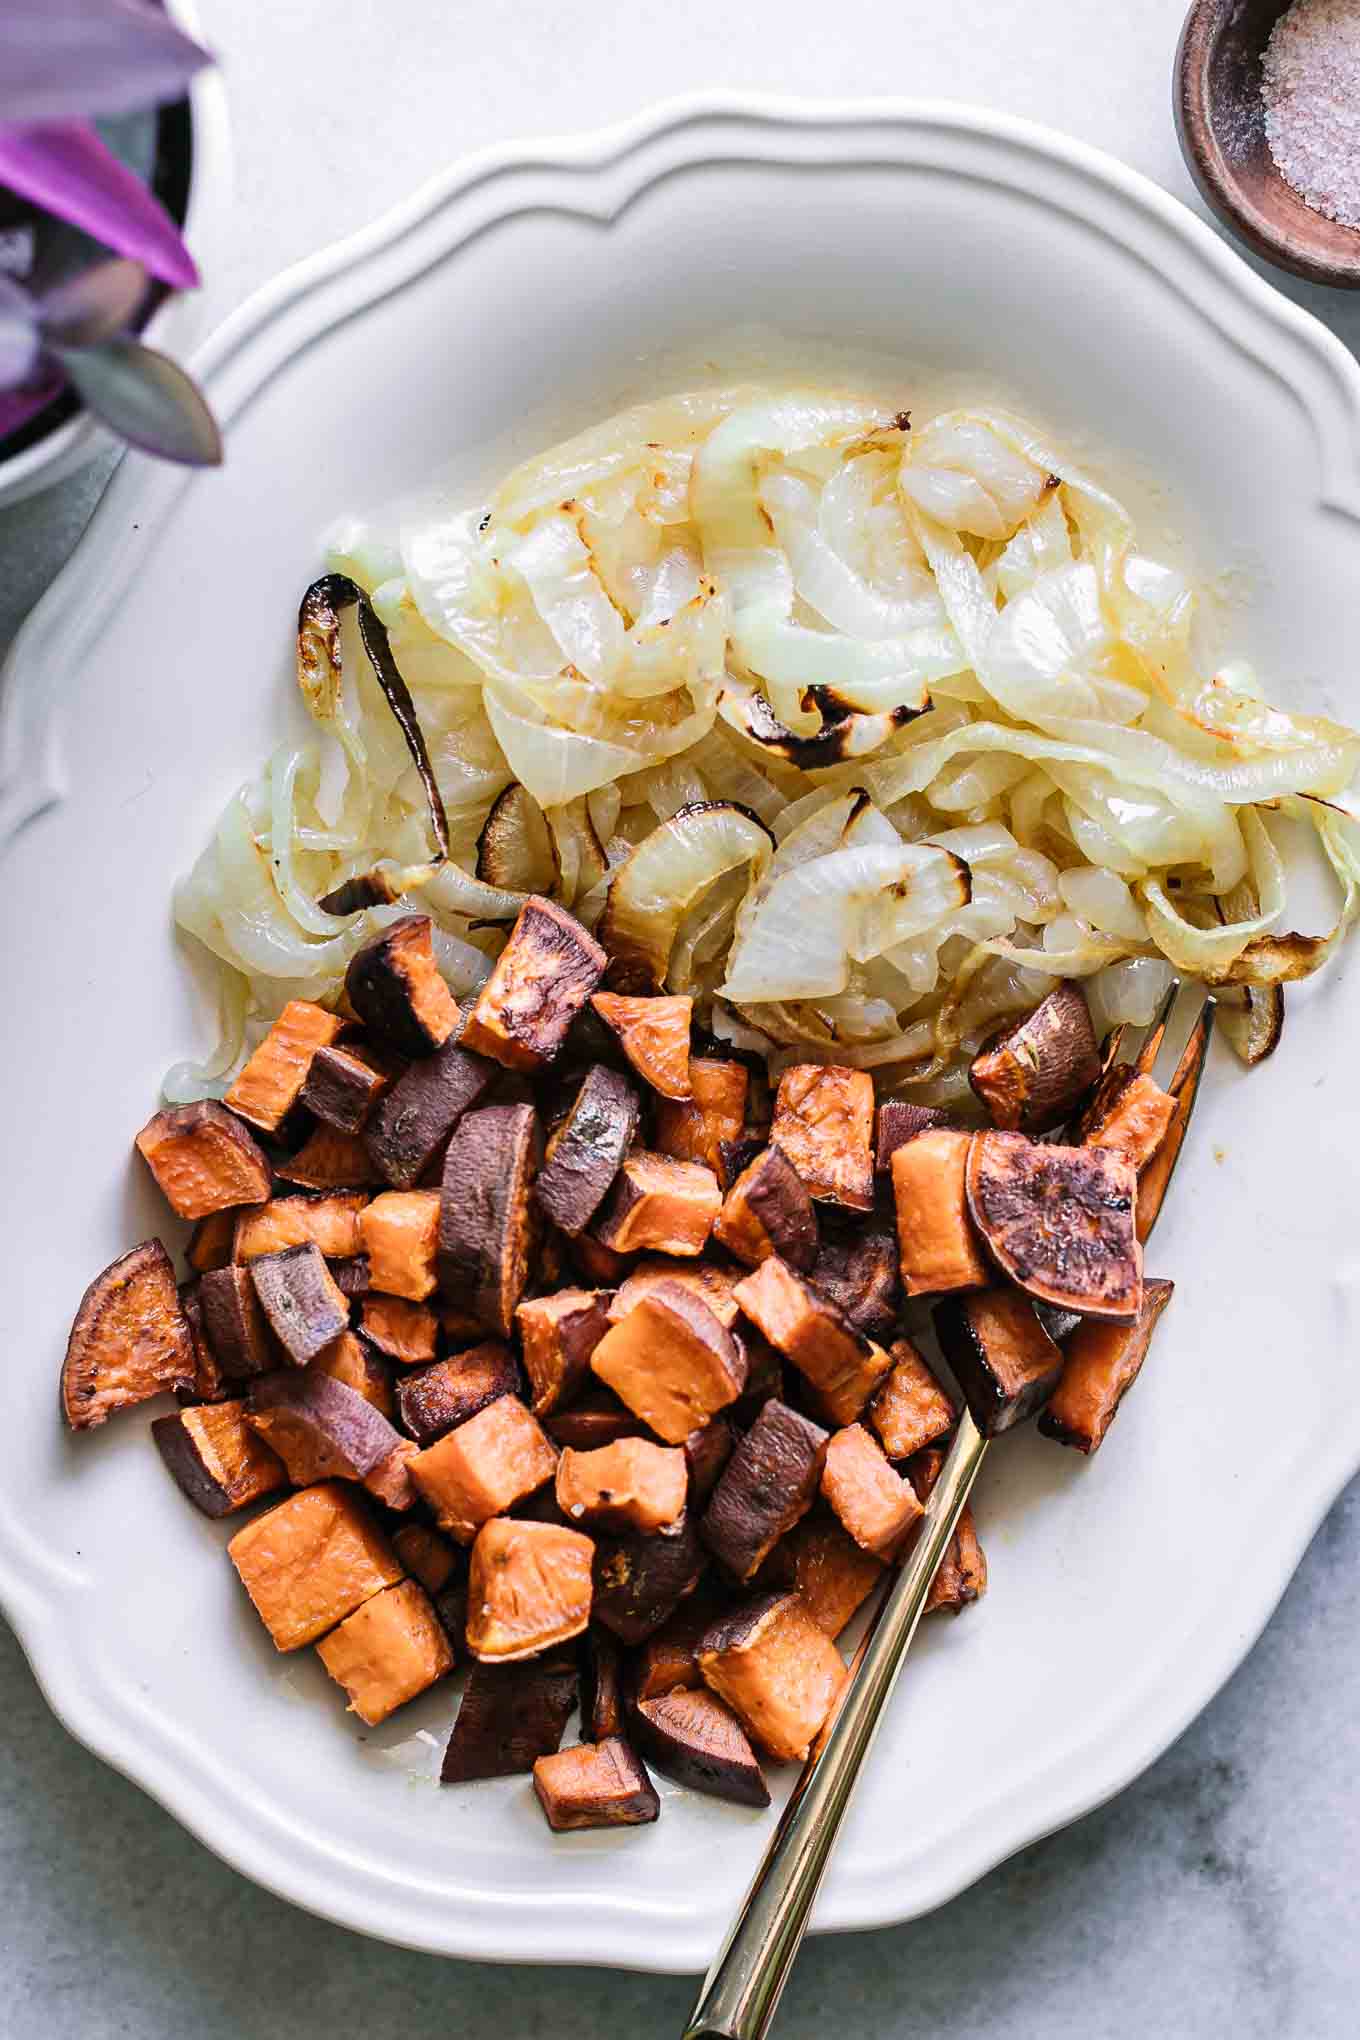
<point x="669" y="870"/>
<point x="516" y="850"/>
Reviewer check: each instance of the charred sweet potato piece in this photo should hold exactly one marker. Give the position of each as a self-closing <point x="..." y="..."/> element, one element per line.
<point x="511" y="1715"/>
<point x="404" y="1331"/>
<point x="587" y="1149"/>
<point x="440" y="1397"/>
<point x="694" y="1129"/>
<point x="632" y="1485"/>
<point x="766" y="1376"/>
<point x="1000" y="1354"/>
<point x="640" y="1581"/>
<point x="394" y="986"/>
<point x="216" y="1458"/>
<point x="529" y="1588"/>
<point x="660" y="1206"/>
<point x="1100" y="1367"/>
<point x="768" y="1211"/>
<point x="426" y="1556"/>
<point x="341" y="1089"/>
<point x="543" y="977"/>
<point x="206" y="1383"/>
<point x="324" y="1430"/>
<point x="273" y="1078"/>
<point x="712" y="1285"/>
<point x="1034" y="1072"/>
<point x="898" y="1122"/>
<point x="601" y="1686"/>
<point x="351" y="1361"/>
<point x="1129" y="1114"/>
<point x="875" y="1505"/>
<point x="234" y="1324"/>
<point x="962" y="1574"/>
<point x="1059" y="1221"/>
<point x="910" y="1410"/>
<point x="834" y="1575"/>
<point x="332" y="1223"/>
<point x="671" y="1362"/>
<point x="352" y="1276"/>
<point x="938" y="1249"/>
<point x="558" y="1334"/>
<point x="599" y="1267"/>
<point x="595" y="1785"/>
<point x="204" y="1159"/>
<point x="413" y="1122"/>
<point x="485" y="1217"/>
<point x="699" y="1742"/>
<point x="387" y="1651"/>
<point x="707" y="1451"/>
<point x="859" y="1275"/>
<point x="210" y="1242"/>
<point x="399" y="1232"/>
<point x="298" y="1295"/>
<point x="769" y="1482"/>
<point x="778" y="1672"/>
<point x="488" y="1463"/>
<point x="598" y="1419"/>
<point x="842" y="1365"/>
<point x="668" y="1659"/>
<point x="310" y="1562"/>
<point x="654" y="1035"/>
<point x="329" y="1160"/>
<point x="129" y="1341"/>
<point x="824" y="1122"/>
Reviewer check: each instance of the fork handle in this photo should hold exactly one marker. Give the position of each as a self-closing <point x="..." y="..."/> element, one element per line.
<point x="743" y="1987"/>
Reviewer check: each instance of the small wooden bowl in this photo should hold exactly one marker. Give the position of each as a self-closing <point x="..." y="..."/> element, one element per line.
<point x="1221" y="123"/>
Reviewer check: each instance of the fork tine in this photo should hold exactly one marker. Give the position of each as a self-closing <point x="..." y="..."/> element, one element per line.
<point x="1184" y="1088"/>
<point x="1156" y="1034"/>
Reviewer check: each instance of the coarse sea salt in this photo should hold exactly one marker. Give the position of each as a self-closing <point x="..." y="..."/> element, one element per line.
<point x="1310" y="90"/>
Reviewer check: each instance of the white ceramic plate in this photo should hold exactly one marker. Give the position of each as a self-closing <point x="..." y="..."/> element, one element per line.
<point x="528" y="292"/>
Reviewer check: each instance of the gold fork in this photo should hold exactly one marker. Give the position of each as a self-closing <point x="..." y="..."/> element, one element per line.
<point x="743" y="1988"/>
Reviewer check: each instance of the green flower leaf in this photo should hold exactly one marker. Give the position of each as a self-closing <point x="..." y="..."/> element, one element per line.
<point x="146" y="399"/>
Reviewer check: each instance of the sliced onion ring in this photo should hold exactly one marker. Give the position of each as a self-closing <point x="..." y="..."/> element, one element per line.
<point x="670" y="869"/>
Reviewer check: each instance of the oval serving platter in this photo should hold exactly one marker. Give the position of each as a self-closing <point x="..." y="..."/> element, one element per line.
<point x="942" y="251"/>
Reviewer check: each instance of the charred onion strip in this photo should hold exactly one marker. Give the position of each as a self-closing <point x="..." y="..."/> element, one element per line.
<point x="319" y="672"/>
<point x="845" y="732"/>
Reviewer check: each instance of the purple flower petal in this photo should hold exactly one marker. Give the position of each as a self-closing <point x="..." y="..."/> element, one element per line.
<point x="68" y="171"/>
<point x="72" y="59"/>
<point x="18" y="406"/>
<point x="19" y="340"/>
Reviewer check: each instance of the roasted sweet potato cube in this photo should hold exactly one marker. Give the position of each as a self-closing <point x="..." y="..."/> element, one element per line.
<point x="712" y="1285"/>
<point x="778" y="1672"/>
<point x="352" y="1361"/>
<point x="824" y="1122"/>
<point x="324" y="1430"/>
<point x="859" y="1275"/>
<point x="632" y="1485"/>
<point x="399" y="1232"/>
<point x="273" y="1078"/>
<point x="342" y="1089"/>
<point x="558" y="1334"/>
<point x="486" y="1221"/>
<point x="206" y="1383"/>
<point x="595" y="1785"/>
<point x="427" y="1556"/>
<point x="129" y="1341"/>
<point x="204" y="1159"/>
<point x="939" y="1249"/>
<point x="330" y="1160"/>
<point x="217" y="1459"/>
<point x="1000" y="1355"/>
<point x="769" y="1482"/>
<point x="694" y="1129"/>
<point x="654" y="1035"/>
<point x="1059" y="1222"/>
<point x="440" y="1397"/>
<point x="842" y="1365"/>
<point x="668" y="1659"/>
<point x="834" y="1574"/>
<point x="699" y="1742"/>
<point x="412" y="1123"/>
<point x="394" y="986"/>
<point x="587" y="1149"/>
<point x="1129" y="1113"/>
<point x="210" y="1243"/>
<point x="387" y="1651"/>
<point x="235" y="1326"/>
<point x="873" y="1503"/>
<point x="660" y="1206"/>
<point x="639" y="1581"/>
<point x="511" y="1715"/>
<point x="1100" y="1366"/>
<point x="529" y="1588"/>
<point x="598" y="1419"/>
<point x="331" y="1223"/>
<point x="298" y="1295"/>
<point x="962" y="1574"/>
<point x="898" y="1122"/>
<point x="543" y="977"/>
<point x="1035" y="1071"/>
<point x="707" y="1452"/>
<point x="602" y="1696"/>
<point x="404" y="1331"/>
<point x="910" y="1410"/>
<point x="768" y="1211"/>
<point x="493" y="1460"/>
<point x="598" y="1266"/>
<point x="312" y="1561"/>
<point x="671" y="1362"/>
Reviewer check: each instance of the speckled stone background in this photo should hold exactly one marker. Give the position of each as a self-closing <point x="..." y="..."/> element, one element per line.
<point x="1216" y="1898"/>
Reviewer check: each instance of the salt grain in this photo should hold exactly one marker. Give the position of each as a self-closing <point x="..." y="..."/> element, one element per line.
<point x="1310" y="90"/>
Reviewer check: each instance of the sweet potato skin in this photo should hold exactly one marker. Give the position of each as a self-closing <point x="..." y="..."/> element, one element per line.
<point x="587" y="1150"/>
<point x="529" y="1589"/>
<point x="962" y="1574"/>
<point x="898" y="1122"/>
<point x="323" y="1430"/>
<point x="543" y="977"/>
<point x="439" y="1398"/>
<point x="558" y="1334"/>
<point x="1059" y="1221"/>
<point x="640" y="1581"/>
<point x="236" y="1327"/>
<point x="216" y="1459"/>
<point x="390" y="1649"/>
<point x="699" y="1742"/>
<point x="1100" y="1365"/>
<point x="394" y="986"/>
<point x="824" y="1122"/>
<point x="511" y="1715"/>
<point x="938" y="1247"/>
<point x="654" y="1035"/>
<point x="486" y="1221"/>
<point x="712" y="1284"/>
<point x="305" y="1309"/>
<point x="342" y="1089"/>
<point x="274" y="1077"/>
<point x="204" y="1159"/>
<point x="413" y="1121"/>
<point x="130" y="1339"/>
<point x="859" y="1275"/>
<point x="1034" y="1071"/>
<point x="1000" y="1355"/>
<point x="310" y="1561"/>
<point x="770" y="1481"/>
